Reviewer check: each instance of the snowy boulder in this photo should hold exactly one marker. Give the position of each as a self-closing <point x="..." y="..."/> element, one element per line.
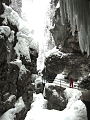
<point x="75" y="105"/>
<point x="23" y="34"/>
<point x="76" y="64"/>
<point x="5" y="30"/>
<point x="55" y="96"/>
<point x="72" y="95"/>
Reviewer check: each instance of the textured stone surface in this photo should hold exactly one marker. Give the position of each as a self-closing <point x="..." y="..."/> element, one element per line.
<point x="55" y="97"/>
<point x="76" y="63"/>
<point x="13" y="79"/>
<point x="85" y="83"/>
<point x="7" y="101"/>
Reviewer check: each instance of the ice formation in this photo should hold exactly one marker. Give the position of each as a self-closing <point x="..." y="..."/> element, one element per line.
<point x="79" y="15"/>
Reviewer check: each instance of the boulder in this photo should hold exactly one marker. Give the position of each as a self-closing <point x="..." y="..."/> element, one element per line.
<point x="77" y="65"/>
<point x="55" y="96"/>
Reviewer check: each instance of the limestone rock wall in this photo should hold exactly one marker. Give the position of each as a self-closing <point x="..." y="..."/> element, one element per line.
<point x="75" y="63"/>
<point x="15" y="73"/>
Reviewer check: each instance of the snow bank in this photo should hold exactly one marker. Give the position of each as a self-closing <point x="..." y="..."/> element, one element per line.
<point x="60" y="76"/>
<point x="10" y="114"/>
<point x="39" y="102"/>
<point x="11" y="98"/>
<point x="77" y="110"/>
<point x="72" y="95"/>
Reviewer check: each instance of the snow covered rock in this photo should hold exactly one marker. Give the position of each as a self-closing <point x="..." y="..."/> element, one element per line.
<point x="22" y="33"/>
<point x="55" y="96"/>
<point x="11" y="114"/>
<point x="39" y="111"/>
<point x="16" y="64"/>
<point x="75" y="64"/>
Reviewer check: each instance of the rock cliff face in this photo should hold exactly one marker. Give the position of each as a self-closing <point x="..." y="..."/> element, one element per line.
<point x="16" y="66"/>
<point x="74" y="62"/>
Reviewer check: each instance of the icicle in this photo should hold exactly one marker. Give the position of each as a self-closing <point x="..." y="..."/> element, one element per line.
<point x="82" y="38"/>
<point x="88" y="41"/>
<point x="78" y="14"/>
<point x="62" y="11"/>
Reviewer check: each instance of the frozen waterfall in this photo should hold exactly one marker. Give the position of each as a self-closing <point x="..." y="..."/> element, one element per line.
<point x="79" y="15"/>
<point x="39" y="16"/>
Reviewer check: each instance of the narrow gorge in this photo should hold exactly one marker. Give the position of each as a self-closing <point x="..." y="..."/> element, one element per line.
<point x="42" y="45"/>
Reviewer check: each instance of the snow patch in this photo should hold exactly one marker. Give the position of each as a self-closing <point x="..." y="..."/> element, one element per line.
<point x="17" y="62"/>
<point x="55" y="93"/>
<point x="23" y="70"/>
<point x="11" y="38"/>
<point x="19" y="105"/>
<point x="56" y="51"/>
<point x="11" y="98"/>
